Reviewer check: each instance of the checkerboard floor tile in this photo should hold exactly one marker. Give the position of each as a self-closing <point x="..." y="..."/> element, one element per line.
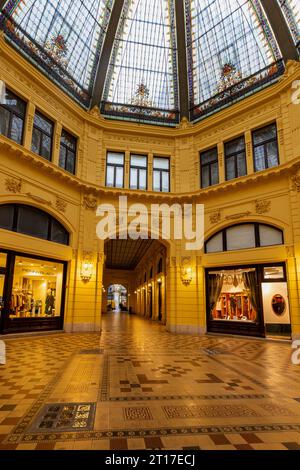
<point x="151" y="390"/>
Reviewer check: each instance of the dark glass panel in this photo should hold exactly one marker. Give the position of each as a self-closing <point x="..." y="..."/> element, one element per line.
<point x="32" y="222"/>
<point x="7" y="216"/>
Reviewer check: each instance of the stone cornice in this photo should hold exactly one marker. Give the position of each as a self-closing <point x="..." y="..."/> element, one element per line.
<point x="288" y="169"/>
<point x="35" y="76"/>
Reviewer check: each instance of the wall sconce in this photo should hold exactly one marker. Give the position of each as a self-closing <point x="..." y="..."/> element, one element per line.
<point x="135" y="292"/>
<point x="86" y="269"/>
<point x="159" y="280"/>
<point x="186" y="276"/>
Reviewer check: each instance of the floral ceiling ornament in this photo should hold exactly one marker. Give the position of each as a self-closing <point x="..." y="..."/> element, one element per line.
<point x="13" y="185"/>
<point x="262" y="206"/>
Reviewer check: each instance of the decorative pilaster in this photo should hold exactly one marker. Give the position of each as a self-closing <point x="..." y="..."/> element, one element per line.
<point x="29" y="125"/>
<point x="249" y="152"/>
<point x="56" y="143"/>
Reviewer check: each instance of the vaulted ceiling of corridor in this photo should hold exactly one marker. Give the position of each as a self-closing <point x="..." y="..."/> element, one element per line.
<point x="156" y="60"/>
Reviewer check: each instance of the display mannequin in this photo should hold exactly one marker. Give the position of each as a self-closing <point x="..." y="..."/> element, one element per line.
<point x="50" y="302"/>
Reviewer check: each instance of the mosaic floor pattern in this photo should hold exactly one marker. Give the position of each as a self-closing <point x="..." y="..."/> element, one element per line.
<point x="139" y="387"/>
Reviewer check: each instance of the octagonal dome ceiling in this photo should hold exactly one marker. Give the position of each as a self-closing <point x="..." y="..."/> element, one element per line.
<point x="155" y="60"/>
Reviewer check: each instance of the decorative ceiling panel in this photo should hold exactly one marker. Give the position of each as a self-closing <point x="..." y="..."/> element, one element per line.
<point x="125" y="254"/>
<point x="291" y="10"/>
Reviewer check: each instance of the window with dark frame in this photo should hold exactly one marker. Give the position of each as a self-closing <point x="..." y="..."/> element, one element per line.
<point x="161" y="174"/>
<point x="138" y="172"/>
<point x="67" y="152"/>
<point x="42" y="136"/>
<point x="235" y="158"/>
<point x="33" y="222"/>
<point x="115" y="170"/>
<point x="265" y="147"/>
<point x="209" y="167"/>
<point x="12" y="117"/>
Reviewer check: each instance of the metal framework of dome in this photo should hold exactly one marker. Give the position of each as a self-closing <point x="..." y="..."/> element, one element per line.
<point x="156" y="61"/>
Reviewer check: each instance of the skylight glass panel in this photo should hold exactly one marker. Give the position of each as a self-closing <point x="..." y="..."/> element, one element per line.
<point x="291" y="10"/>
<point x="230" y="48"/>
<point x="142" y="74"/>
<point x="64" y="37"/>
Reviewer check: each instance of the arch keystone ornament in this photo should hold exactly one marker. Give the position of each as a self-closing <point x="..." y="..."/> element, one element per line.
<point x="89" y="202"/>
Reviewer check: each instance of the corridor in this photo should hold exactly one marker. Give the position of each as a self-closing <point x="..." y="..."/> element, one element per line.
<point x="139" y="387"/>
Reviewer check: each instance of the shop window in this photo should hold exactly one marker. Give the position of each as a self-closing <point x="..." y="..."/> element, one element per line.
<point x="67" y="152"/>
<point x="32" y="221"/>
<point x="235" y="158"/>
<point x="37" y="289"/>
<point x="244" y="236"/>
<point x="233" y="296"/>
<point x="115" y="170"/>
<point x="274" y="273"/>
<point x="265" y="147"/>
<point x="3" y="258"/>
<point x="42" y="136"/>
<point x="209" y="167"/>
<point x="138" y="172"/>
<point x="12" y="117"/>
<point x="161" y="174"/>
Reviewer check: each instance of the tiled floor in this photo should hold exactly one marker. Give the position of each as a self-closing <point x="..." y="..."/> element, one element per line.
<point x="139" y="387"/>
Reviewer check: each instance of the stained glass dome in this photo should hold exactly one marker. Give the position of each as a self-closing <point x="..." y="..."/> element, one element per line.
<point x="156" y="61"/>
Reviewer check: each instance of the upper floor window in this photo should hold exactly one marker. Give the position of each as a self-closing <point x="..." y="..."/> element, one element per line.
<point x="209" y="167"/>
<point x="67" y="152"/>
<point x="235" y="158"/>
<point x="42" y="136"/>
<point x="12" y="117"/>
<point x="138" y="172"/>
<point x="244" y="236"/>
<point x="115" y="170"/>
<point x="32" y="221"/>
<point x="265" y="147"/>
<point x="161" y="174"/>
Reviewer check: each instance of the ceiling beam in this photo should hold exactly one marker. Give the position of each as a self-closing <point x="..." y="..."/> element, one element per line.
<point x="106" y="52"/>
<point x="280" y="29"/>
<point x="182" y="60"/>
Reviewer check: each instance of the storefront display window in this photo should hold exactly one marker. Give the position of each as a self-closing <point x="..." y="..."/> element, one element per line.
<point x="36" y="289"/>
<point x="3" y="257"/>
<point x="233" y="295"/>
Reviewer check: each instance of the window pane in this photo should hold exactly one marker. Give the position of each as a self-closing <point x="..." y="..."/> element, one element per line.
<point x="6" y="217"/>
<point x="110" y="176"/>
<point x="215" y="244"/>
<point x="59" y="233"/>
<point x="209" y="156"/>
<point x="16" y="129"/>
<point x="156" y="180"/>
<point x="230" y="168"/>
<point x="62" y="156"/>
<point x="205" y="180"/>
<point x="241" y="164"/>
<point x="119" y="177"/>
<point x="259" y="156"/>
<point x="41" y="122"/>
<point x="70" y="162"/>
<point x="274" y="272"/>
<point x="46" y="147"/>
<point x="242" y="236"/>
<point x="137" y="160"/>
<point x="3" y="258"/>
<point x="32" y="222"/>
<point x="36" y="141"/>
<point x="143" y="179"/>
<point x="133" y="178"/>
<point x="214" y="173"/>
<point x="116" y="158"/>
<point x="161" y="163"/>
<point x="165" y="182"/>
<point x="4" y="121"/>
<point x="68" y="140"/>
<point x="235" y="146"/>
<point x="264" y="134"/>
<point x="15" y="103"/>
<point x="270" y="236"/>
<point x="272" y="153"/>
